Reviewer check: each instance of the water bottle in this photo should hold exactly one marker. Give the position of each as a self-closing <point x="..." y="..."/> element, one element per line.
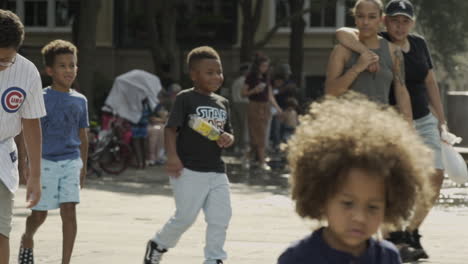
<point x="204" y="128"/>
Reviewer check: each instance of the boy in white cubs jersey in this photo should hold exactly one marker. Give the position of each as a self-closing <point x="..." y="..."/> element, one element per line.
<point x="21" y="106"/>
<point x="64" y="150"/>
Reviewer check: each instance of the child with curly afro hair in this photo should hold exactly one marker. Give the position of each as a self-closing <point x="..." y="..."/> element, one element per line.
<point x="356" y="164"/>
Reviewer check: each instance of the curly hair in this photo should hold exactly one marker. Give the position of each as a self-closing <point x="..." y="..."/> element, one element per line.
<point x="11" y="30"/>
<point x="200" y="53"/>
<point x="341" y="133"/>
<point x="57" y="47"/>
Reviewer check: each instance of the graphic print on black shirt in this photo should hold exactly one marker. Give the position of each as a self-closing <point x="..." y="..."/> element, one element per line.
<point x="214" y="116"/>
<point x="197" y="152"/>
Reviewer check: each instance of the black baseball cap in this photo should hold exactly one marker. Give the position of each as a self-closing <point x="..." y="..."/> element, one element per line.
<point x="400" y="7"/>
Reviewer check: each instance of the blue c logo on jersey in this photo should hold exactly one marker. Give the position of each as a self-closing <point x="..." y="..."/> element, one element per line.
<point x="12" y="99"/>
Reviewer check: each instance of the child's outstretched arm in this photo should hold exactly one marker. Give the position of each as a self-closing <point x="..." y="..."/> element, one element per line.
<point x="173" y="163"/>
<point x="84" y="154"/>
<point x="33" y="142"/>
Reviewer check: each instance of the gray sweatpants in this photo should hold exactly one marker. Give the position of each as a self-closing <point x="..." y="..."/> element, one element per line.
<point x="194" y="191"/>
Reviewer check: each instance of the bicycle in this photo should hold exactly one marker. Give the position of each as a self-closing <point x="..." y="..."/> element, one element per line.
<point x="108" y="152"/>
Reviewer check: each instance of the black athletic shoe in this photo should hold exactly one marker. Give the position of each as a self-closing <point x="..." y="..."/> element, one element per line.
<point x="410" y="254"/>
<point x="404" y="242"/>
<point x="219" y="261"/>
<point x="153" y="254"/>
<point x="415" y="242"/>
<point x="25" y="256"/>
<point x="398" y="237"/>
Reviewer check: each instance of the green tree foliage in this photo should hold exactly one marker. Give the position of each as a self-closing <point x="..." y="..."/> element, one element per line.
<point x="444" y="23"/>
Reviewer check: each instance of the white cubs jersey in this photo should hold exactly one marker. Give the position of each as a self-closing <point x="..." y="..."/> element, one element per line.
<point x="20" y="97"/>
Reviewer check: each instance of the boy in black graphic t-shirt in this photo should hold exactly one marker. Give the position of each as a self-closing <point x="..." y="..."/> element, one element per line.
<point x="194" y="162"/>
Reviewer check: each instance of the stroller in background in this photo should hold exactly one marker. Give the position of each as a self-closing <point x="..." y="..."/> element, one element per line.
<point x="110" y="143"/>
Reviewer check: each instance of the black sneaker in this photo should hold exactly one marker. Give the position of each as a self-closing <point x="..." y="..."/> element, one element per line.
<point x="415" y="242"/>
<point x="397" y="237"/>
<point x="410" y="254"/>
<point x="404" y="242"/>
<point x="25" y="256"/>
<point x="218" y="261"/>
<point x="153" y="254"/>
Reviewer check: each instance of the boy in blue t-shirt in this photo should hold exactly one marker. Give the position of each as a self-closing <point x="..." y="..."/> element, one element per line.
<point x="357" y="165"/>
<point x="65" y="149"/>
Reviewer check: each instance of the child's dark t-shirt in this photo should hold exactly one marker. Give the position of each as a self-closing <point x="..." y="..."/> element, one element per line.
<point x="197" y="152"/>
<point x="313" y="249"/>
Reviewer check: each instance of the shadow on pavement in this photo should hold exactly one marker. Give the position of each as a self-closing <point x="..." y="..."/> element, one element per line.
<point x="150" y="181"/>
<point x="154" y="181"/>
<point x="244" y="179"/>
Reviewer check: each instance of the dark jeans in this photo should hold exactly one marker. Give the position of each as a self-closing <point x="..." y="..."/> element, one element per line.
<point x="275" y="131"/>
<point x="239" y="124"/>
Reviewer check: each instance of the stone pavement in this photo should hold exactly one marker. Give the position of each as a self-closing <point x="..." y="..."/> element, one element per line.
<point x="119" y="214"/>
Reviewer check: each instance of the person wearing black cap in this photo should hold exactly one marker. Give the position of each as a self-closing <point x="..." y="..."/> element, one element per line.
<point x="347" y="69"/>
<point x="424" y="93"/>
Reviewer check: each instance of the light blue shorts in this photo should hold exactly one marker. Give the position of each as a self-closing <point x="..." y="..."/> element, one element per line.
<point x="60" y="183"/>
<point x="428" y="129"/>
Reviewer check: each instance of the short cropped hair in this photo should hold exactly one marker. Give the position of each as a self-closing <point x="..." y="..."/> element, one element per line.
<point x="346" y="132"/>
<point x="200" y="53"/>
<point x="11" y="30"/>
<point x="57" y="47"/>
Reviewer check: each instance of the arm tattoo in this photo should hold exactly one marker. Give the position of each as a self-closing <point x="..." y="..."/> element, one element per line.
<point x="399" y="66"/>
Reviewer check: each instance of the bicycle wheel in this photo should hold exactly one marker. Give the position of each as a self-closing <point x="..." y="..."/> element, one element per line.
<point x="115" y="158"/>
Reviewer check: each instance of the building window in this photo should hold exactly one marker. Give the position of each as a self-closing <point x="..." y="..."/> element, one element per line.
<point x="325" y="16"/>
<point x="199" y="22"/>
<point x="45" y="15"/>
<point x="282" y="10"/>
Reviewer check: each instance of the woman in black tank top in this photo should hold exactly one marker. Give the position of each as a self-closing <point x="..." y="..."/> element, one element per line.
<point x="424" y="93"/>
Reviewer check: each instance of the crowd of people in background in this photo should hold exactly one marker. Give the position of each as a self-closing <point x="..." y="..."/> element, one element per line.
<point x="265" y="112"/>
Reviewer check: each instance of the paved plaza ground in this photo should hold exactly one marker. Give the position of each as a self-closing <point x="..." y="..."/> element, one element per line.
<point x="119" y="214"/>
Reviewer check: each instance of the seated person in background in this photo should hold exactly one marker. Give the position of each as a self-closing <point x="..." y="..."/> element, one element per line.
<point x="139" y="136"/>
<point x="289" y="118"/>
<point x="156" y="153"/>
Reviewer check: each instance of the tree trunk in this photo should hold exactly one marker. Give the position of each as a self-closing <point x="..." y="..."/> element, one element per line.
<point x="3" y="4"/>
<point x="161" y="20"/>
<point x="251" y="19"/>
<point x="250" y="22"/>
<point x="87" y="49"/>
<point x="153" y="32"/>
<point x="247" y="42"/>
<point x="169" y="40"/>
<point x="296" y="43"/>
